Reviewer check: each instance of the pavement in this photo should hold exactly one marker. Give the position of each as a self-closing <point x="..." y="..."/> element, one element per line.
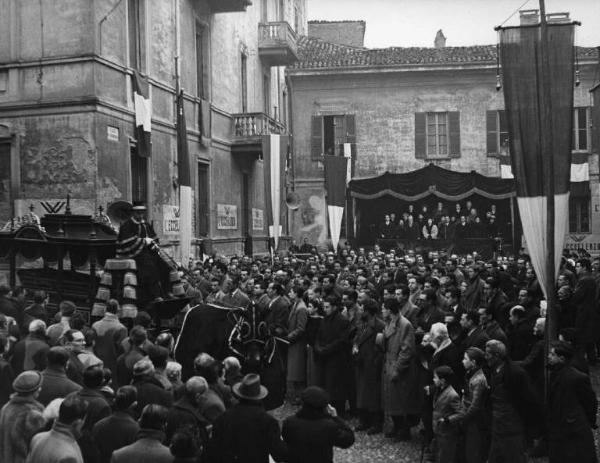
<point x="379" y="449"/>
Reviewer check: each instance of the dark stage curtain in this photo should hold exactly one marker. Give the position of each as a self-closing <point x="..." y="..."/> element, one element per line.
<point x="432" y="180"/>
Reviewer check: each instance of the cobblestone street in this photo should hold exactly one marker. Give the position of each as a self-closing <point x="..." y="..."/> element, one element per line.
<point x="378" y="449"/>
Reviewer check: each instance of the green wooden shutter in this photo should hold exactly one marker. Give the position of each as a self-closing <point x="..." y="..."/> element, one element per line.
<point x="316" y="148"/>
<point x="491" y="129"/>
<point x="420" y="135"/>
<point x="454" y="132"/>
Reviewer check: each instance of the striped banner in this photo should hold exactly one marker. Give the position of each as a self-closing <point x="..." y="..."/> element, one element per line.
<point x="275" y="149"/>
<point x="580" y="168"/>
<point x="143" y="114"/>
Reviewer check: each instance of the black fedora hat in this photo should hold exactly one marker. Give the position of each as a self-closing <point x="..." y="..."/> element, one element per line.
<point x="249" y="388"/>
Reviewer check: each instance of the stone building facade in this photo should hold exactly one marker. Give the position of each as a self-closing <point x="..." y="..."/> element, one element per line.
<point x="381" y="100"/>
<point x="67" y="108"/>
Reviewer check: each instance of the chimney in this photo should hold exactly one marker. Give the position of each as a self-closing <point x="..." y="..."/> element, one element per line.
<point x="558" y="18"/>
<point x="350" y="33"/>
<point x="532" y="17"/>
<point x="529" y="17"/>
<point x="440" y="40"/>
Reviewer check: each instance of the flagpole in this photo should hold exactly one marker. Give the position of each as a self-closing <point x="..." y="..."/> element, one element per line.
<point x="547" y="146"/>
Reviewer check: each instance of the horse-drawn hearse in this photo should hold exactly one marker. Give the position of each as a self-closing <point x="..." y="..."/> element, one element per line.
<point x="73" y="256"/>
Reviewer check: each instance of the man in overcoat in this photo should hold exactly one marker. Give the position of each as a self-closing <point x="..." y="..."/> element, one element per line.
<point x="315" y="429"/>
<point x="246" y="432"/>
<point x="399" y="378"/>
<point x="296" y="352"/>
<point x="368" y="359"/>
<point x="572" y="409"/>
<point x="332" y="353"/>
<point x="514" y="405"/>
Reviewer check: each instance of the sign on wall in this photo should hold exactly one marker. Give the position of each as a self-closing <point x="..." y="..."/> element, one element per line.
<point x="589" y="242"/>
<point x="226" y="217"/>
<point x="170" y="219"/>
<point x="257" y="219"/>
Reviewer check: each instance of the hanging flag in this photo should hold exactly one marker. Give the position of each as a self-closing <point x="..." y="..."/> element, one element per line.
<point x="580" y="168"/>
<point x="349" y="152"/>
<point x="335" y="186"/>
<point x="524" y="86"/>
<point x="143" y="113"/>
<point x="595" y="91"/>
<point x="185" y="184"/>
<point x="275" y="148"/>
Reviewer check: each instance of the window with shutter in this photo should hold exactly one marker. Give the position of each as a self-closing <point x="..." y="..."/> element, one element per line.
<point x="316" y="149"/>
<point x="579" y="214"/>
<point x="497" y="133"/>
<point x="420" y="136"/>
<point x="581" y="132"/>
<point x="454" y="131"/>
<point x="350" y="128"/>
<point x="202" y="68"/>
<point x="136" y="34"/>
<point x="139" y="175"/>
<point x="437" y="135"/>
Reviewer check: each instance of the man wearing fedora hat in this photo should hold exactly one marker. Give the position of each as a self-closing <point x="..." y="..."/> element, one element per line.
<point x="21" y="417"/>
<point x="246" y="432"/>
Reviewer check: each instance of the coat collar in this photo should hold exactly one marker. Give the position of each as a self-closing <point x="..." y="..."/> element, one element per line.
<point x="151" y="435"/>
<point x="444" y="345"/>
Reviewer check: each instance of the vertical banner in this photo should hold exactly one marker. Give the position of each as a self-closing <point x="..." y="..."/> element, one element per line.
<point x="275" y="149"/>
<point x="524" y="88"/>
<point x="143" y="114"/>
<point x="349" y="151"/>
<point x="335" y="186"/>
<point x="596" y="117"/>
<point x="185" y="184"/>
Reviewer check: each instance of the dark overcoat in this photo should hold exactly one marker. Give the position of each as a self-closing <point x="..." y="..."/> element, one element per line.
<point x="587" y="318"/>
<point x="367" y="365"/>
<point x="245" y="433"/>
<point x="571" y="416"/>
<point x="399" y="377"/>
<point x="311" y="435"/>
<point x="296" y="352"/>
<point x="332" y="355"/>
<point x="277" y="315"/>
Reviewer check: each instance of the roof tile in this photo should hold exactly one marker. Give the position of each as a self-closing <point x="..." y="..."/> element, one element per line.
<point x="315" y="53"/>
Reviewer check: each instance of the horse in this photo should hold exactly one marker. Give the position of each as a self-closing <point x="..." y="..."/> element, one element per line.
<point x="224" y="331"/>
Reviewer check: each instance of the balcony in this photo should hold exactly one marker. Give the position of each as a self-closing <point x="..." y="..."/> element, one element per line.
<point x="277" y="44"/>
<point x="229" y="6"/>
<point x="249" y="129"/>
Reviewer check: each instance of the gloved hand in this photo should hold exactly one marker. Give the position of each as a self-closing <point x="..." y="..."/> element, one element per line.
<point x="148" y="241"/>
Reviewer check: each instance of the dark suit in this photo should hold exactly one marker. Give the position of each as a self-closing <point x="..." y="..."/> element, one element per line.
<point x="571" y="415"/>
<point x="368" y="363"/>
<point x="332" y="355"/>
<point x="150" y="392"/>
<point x="278" y="313"/>
<point x="185" y="413"/>
<point x="114" y="432"/>
<point x="446" y="406"/>
<point x="311" y="436"/>
<point x="476" y="338"/>
<point x="245" y="433"/>
<point x="56" y="384"/>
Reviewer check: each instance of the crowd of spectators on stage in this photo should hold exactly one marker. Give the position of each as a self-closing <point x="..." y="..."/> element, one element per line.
<point x="444" y="222"/>
<point x="439" y="348"/>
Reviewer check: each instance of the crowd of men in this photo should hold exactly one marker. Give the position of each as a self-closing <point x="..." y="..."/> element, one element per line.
<point x="442" y="348"/>
<point x="443" y="222"/>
